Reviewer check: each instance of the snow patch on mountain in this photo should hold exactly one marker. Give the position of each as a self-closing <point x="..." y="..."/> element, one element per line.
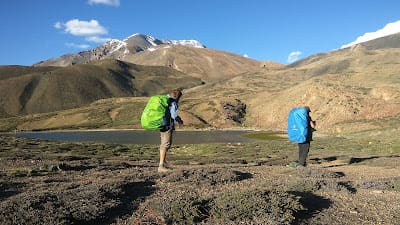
<point x="190" y="43"/>
<point x="117" y="45"/>
<point x="118" y="49"/>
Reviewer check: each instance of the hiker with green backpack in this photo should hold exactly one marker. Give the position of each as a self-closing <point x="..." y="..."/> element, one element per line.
<point x="161" y="113"/>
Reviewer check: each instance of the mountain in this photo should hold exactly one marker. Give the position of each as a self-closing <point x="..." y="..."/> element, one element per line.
<point x="76" y="80"/>
<point x="355" y="89"/>
<point x="116" y="49"/>
<point x="350" y="89"/>
<point x="28" y="90"/>
<point x="206" y="64"/>
<point x="187" y="56"/>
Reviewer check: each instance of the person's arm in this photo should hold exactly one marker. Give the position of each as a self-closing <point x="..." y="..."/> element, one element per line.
<point x="174" y="113"/>
<point x="312" y="123"/>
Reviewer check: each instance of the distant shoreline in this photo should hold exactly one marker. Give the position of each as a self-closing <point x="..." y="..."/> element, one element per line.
<point x="135" y="136"/>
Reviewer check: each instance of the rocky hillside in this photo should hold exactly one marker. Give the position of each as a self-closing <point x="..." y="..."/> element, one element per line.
<point x="116" y="49"/>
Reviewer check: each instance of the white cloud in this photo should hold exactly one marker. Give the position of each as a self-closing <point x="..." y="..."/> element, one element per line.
<point x="390" y="28"/>
<point x="88" y="29"/>
<point x="80" y="46"/>
<point x="246" y="56"/>
<point x="97" y="39"/>
<point x="104" y="2"/>
<point x="83" y="28"/>
<point x="58" y="25"/>
<point x="294" y="56"/>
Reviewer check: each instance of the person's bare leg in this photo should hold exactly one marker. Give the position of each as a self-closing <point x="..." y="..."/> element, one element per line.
<point x="163" y="156"/>
<point x="166" y="138"/>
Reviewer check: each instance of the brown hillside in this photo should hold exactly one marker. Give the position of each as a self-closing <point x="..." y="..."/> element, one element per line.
<point x="203" y="63"/>
<point x="78" y="85"/>
<point x="353" y="89"/>
<point x="347" y="85"/>
<point x="391" y="41"/>
<point x="348" y="90"/>
<point x="15" y="70"/>
<point x="341" y="87"/>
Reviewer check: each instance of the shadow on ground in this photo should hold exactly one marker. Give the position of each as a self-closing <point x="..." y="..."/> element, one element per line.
<point x="314" y="204"/>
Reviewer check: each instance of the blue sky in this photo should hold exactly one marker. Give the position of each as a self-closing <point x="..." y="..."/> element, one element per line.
<point x="35" y="30"/>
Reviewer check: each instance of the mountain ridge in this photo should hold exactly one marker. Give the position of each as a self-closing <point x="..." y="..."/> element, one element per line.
<point x="348" y="90"/>
<point x="116" y="49"/>
<point x="60" y="88"/>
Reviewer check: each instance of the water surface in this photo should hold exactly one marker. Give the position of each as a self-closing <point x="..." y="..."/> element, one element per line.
<point x="138" y="136"/>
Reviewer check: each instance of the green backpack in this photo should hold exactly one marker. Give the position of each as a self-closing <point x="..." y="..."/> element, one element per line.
<point x="154" y="112"/>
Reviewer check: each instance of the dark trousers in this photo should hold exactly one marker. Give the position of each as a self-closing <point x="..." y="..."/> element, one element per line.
<point x="303" y="152"/>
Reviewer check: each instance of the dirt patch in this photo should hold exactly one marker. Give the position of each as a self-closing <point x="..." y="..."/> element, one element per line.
<point x="206" y="176"/>
<point x="382" y="184"/>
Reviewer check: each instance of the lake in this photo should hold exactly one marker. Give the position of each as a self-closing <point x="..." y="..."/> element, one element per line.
<point x="138" y="136"/>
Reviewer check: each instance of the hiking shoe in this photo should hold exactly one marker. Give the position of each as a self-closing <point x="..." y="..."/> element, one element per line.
<point x="165" y="164"/>
<point x="163" y="169"/>
<point x="292" y="164"/>
<point x="300" y="166"/>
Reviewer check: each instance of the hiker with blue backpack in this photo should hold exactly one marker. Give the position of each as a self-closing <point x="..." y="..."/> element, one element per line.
<point x="161" y="113"/>
<point x="300" y="130"/>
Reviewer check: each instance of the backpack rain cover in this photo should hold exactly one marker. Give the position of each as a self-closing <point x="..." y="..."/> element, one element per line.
<point x="297" y="125"/>
<point x="154" y="112"/>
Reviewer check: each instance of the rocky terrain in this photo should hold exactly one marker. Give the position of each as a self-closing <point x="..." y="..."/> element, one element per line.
<point x="348" y="181"/>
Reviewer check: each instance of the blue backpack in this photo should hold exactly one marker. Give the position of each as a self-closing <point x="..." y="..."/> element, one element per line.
<point x="297" y="125"/>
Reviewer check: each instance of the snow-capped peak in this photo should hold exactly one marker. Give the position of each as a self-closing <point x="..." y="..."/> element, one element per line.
<point x="155" y="42"/>
<point x="118" y="49"/>
<point x="151" y="40"/>
<point x="190" y="43"/>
